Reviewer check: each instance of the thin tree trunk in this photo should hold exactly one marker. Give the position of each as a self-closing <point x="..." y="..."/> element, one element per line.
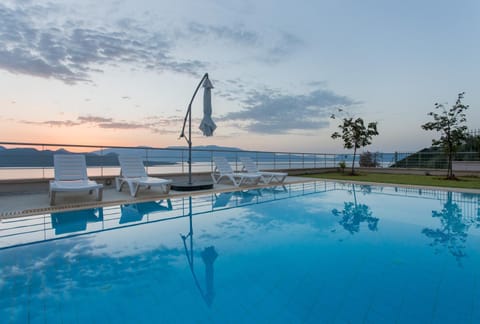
<point x="450" y="158"/>
<point x="353" y="162"/>
<point x="450" y="171"/>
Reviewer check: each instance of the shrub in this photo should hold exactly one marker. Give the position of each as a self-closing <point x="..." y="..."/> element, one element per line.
<point x="369" y="160"/>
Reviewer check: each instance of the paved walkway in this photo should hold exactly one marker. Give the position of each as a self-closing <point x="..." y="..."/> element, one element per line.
<point x="36" y="202"/>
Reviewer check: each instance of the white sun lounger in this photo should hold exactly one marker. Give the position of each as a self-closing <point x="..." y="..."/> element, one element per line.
<point x="267" y="177"/>
<point x="223" y="169"/>
<point x="133" y="173"/>
<point x="71" y="176"/>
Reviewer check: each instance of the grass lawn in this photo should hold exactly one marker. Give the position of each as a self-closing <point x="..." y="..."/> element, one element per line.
<point x="422" y="180"/>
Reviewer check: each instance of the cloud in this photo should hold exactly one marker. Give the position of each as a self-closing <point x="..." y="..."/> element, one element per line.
<point x="153" y="124"/>
<point x="269" y="46"/>
<point x="123" y="125"/>
<point x="271" y="112"/>
<point x="53" y="123"/>
<point x="94" y="119"/>
<point x="284" y="46"/>
<point x="71" y="52"/>
<point x="237" y="34"/>
<point x="52" y="41"/>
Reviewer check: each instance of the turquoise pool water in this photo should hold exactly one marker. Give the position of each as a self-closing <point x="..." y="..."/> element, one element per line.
<point x="308" y="253"/>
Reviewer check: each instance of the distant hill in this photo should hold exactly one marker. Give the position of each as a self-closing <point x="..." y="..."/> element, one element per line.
<point x="30" y="157"/>
<point x="434" y="157"/>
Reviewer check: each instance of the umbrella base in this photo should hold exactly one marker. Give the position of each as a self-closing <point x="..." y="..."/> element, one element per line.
<point x="194" y="186"/>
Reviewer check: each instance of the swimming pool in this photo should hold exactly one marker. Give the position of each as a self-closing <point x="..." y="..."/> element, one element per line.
<point x="307" y="253"/>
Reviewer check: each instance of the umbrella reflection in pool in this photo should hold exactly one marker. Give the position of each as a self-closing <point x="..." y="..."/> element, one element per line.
<point x="209" y="255"/>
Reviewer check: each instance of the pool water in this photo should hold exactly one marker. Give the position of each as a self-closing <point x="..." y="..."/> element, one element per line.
<point x="307" y="253"/>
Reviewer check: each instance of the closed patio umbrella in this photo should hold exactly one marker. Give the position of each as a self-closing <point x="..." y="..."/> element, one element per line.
<point x="207" y="126"/>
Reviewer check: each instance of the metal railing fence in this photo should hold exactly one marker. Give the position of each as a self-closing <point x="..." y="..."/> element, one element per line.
<point x="20" y="160"/>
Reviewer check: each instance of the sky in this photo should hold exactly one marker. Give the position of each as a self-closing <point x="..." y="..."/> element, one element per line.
<point x="122" y="72"/>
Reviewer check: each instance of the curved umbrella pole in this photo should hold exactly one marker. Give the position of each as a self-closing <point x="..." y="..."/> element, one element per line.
<point x="188" y="117"/>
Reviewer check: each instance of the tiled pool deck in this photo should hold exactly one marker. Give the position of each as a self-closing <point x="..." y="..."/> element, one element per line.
<point x="35" y="201"/>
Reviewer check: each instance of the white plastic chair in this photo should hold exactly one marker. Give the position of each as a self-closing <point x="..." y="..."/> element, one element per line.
<point x="71" y="175"/>
<point x="267" y="176"/>
<point x="133" y="173"/>
<point x="223" y="169"/>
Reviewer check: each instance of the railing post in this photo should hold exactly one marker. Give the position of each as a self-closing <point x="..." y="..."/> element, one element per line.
<point x="274" y="161"/>
<point x="289" y="160"/>
<point x="183" y="163"/>
<point x="43" y="169"/>
<point x="211" y="161"/>
<point x="236" y="161"/>
<point x="314" y="160"/>
<point x="303" y="160"/>
<point x="146" y="158"/>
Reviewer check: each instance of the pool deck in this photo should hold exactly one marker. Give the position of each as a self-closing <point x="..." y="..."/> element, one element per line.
<point x="32" y="200"/>
<point x="17" y="200"/>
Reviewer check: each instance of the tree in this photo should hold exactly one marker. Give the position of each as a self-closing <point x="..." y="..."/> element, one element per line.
<point x="368" y="160"/>
<point x="451" y="125"/>
<point x="355" y="135"/>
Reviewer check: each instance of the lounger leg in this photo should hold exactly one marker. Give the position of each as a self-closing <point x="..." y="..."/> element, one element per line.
<point x="234" y="182"/>
<point x="166" y="188"/>
<point x="119" y="184"/>
<point x="133" y="188"/>
<point x="268" y="180"/>
<point x="134" y="193"/>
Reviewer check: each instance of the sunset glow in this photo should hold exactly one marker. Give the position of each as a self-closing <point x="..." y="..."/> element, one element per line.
<point x="122" y="73"/>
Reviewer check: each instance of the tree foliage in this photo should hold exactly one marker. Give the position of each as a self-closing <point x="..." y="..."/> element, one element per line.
<point x="355" y="135"/>
<point x="451" y="125"/>
<point x="368" y="160"/>
<point x="453" y="229"/>
<point x="354" y="214"/>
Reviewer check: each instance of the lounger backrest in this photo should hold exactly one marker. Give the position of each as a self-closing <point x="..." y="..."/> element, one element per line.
<point x="249" y="165"/>
<point x="69" y="167"/>
<point x="222" y="165"/>
<point x="223" y="199"/>
<point x="132" y="166"/>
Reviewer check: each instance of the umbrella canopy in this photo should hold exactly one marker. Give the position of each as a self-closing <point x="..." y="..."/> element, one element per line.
<point x="207" y="126"/>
